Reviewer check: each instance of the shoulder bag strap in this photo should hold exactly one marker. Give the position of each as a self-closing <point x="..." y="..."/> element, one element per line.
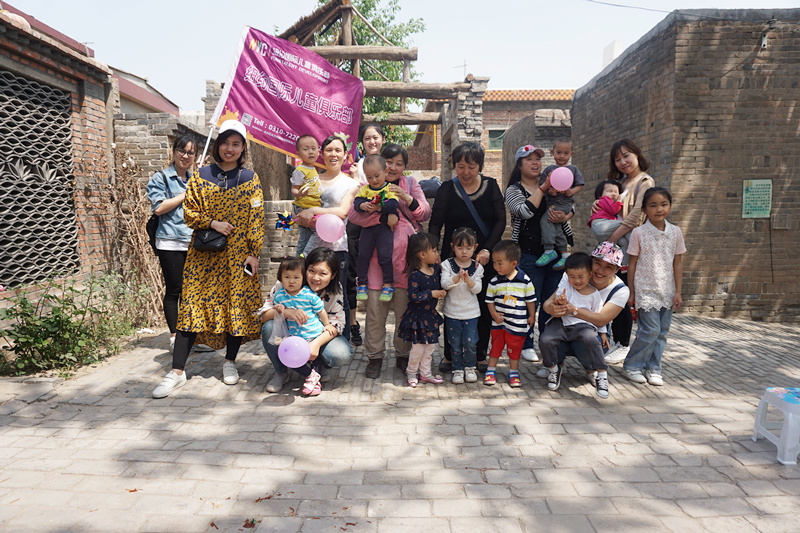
<point x="613" y="291"/>
<point x="470" y="207"/>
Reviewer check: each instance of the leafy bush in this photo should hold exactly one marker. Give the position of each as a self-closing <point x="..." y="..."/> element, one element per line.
<point x="69" y="325"/>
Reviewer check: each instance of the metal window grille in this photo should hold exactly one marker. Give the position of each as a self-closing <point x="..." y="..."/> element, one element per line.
<point x="38" y="226"/>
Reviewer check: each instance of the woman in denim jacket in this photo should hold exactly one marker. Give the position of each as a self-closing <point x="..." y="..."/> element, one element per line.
<point x="166" y="191"/>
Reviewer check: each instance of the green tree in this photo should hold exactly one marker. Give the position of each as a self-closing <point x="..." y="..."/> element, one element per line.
<point x="382" y="14"/>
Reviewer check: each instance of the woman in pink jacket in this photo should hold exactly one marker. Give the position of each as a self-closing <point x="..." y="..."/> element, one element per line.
<point x="414" y="209"/>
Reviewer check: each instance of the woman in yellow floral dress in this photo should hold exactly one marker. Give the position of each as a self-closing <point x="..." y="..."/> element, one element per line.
<point x="219" y="299"/>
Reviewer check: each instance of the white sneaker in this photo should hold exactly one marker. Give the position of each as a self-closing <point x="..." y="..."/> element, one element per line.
<point x="170" y="384"/>
<point x="617" y="353"/>
<point x="470" y="374"/>
<point x="458" y="377"/>
<point x="543" y="372"/>
<point x="277" y="382"/>
<point x="592" y="376"/>
<point x="172" y="345"/>
<point x="653" y="378"/>
<point x="230" y="376"/>
<point x="202" y="348"/>
<point x="601" y="384"/>
<point x="635" y="375"/>
<point x="529" y="354"/>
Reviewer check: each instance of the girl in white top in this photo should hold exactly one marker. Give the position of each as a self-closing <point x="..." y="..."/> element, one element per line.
<point x="654" y="272"/>
<point x="462" y="278"/>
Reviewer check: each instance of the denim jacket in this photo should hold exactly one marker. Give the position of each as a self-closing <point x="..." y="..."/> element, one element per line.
<point x="170" y="224"/>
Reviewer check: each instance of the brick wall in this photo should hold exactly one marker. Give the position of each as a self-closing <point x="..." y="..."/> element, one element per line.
<point x="710" y="109"/>
<point x="38" y="58"/>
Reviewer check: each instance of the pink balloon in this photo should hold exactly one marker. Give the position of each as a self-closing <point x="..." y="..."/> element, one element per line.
<point x="330" y="228"/>
<point x="561" y="179"/>
<point x="294" y="352"/>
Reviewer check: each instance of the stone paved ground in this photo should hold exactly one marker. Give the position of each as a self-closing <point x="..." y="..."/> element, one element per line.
<point x="96" y="453"/>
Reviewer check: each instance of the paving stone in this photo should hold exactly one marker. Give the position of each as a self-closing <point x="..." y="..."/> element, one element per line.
<point x="714" y="507"/>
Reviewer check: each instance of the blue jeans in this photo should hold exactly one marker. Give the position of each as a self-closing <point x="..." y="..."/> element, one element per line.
<point x="651" y="338"/>
<point x="463" y="338"/>
<point x="545" y="282"/>
<point x="336" y="353"/>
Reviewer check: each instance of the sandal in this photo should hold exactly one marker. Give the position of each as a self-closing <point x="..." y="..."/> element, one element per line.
<point x="317" y="390"/>
<point x="412" y="381"/>
<point x="311" y="381"/>
<point x="361" y="292"/>
<point x="431" y="379"/>
<point x="386" y="294"/>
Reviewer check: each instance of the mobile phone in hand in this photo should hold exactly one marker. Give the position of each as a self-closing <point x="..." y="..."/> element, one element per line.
<point x="248" y="270"/>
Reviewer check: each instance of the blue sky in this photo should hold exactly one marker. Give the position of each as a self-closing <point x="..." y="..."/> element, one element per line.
<point x="519" y="45"/>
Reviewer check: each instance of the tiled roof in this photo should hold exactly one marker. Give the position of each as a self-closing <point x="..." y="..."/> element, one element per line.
<point x="526" y="95"/>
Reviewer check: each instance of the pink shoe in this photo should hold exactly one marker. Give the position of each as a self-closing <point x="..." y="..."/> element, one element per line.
<point x="317" y="390"/>
<point x="412" y="381"/>
<point x="431" y="379"/>
<point x="311" y="381"/>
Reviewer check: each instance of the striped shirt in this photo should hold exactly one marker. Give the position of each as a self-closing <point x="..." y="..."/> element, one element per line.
<point x="307" y="301"/>
<point x="511" y="298"/>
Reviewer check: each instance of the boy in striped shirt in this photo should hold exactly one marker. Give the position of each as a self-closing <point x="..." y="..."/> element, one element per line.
<point x="512" y="303"/>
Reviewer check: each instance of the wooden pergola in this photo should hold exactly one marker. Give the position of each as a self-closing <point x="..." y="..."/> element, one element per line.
<point x="346" y="48"/>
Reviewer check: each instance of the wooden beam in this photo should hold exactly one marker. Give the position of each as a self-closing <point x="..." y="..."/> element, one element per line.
<point x="371" y="27"/>
<point x="384" y="53"/>
<point x="347" y="24"/>
<point x="414" y="89"/>
<point x="407" y="119"/>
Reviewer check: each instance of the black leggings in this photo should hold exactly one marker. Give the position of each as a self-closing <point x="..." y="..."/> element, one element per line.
<point x="183" y="345"/>
<point x="353" y="235"/>
<point x="623" y="323"/>
<point x="172" y="267"/>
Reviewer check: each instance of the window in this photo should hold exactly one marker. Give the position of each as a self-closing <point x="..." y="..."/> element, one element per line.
<point x="496" y="139"/>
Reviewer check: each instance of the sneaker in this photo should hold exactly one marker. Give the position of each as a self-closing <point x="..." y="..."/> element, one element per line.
<point x="277" y="382"/>
<point x="546" y="258"/>
<point x="592" y="377"/>
<point x="543" y="372"/>
<point x="554" y="377"/>
<point x="311" y="381"/>
<point x="355" y="335"/>
<point x="514" y="381"/>
<point x="617" y="353"/>
<point x="561" y="263"/>
<point x="653" y="378"/>
<point x="373" y="368"/>
<point x="445" y="366"/>
<point x="202" y="348"/>
<point x="489" y="379"/>
<point x="230" y="376"/>
<point x="361" y="292"/>
<point x="324" y="374"/>
<point x="635" y="375"/>
<point x="470" y="375"/>
<point x="170" y="384"/>
<point x="458" y="377"/>
<point x="601" y="383"/>
<point x="412" y="381"/>
<point x="529" y="354"/>
<point x="386" y="294"/>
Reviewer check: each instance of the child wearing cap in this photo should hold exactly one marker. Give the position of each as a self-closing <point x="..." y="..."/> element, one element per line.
<point x="554" y="238"/>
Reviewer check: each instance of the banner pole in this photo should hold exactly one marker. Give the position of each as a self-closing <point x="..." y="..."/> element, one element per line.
<point x="205" y="150"/>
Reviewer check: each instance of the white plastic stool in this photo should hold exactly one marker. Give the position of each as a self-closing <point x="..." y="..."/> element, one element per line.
<point x="788" y="401"/>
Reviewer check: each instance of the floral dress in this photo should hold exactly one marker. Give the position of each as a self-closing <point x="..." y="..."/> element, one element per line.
<point x="218" y="298"/>
<point x="420" y="323"/>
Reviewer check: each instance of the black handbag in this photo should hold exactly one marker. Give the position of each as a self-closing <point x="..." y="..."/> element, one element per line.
<point x="210" y="240"/>
<point x="152" y="223"/>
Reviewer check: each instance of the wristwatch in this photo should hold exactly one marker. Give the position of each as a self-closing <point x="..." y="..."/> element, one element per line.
<point x="575" y="312"/>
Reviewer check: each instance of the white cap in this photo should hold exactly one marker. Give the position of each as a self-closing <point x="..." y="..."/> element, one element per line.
<point x="235" y="125"/>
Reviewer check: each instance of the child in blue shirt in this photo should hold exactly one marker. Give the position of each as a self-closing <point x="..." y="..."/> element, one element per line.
<point x="317" y="330"/>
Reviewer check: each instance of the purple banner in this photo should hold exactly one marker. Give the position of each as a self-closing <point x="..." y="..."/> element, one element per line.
<point x="280" y="90"/>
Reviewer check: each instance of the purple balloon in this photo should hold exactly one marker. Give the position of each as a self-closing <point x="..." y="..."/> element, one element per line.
<point x="294" y="352"/>
<point x="329" y="227"/>
<point x="561" y="179"/>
